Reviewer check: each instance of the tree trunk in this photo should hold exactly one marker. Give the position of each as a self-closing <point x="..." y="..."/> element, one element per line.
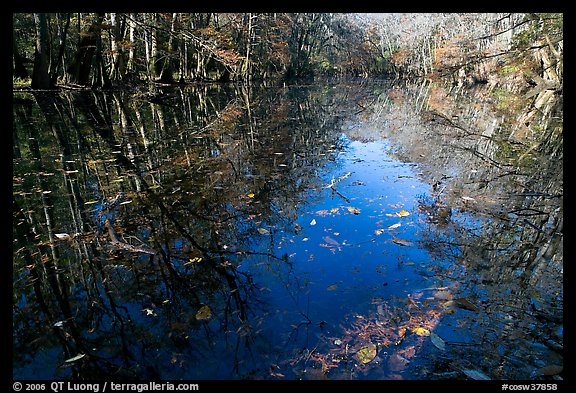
<point x="79" y="70"/>
<point x="40" y="77"/>
<point x="61" y="51"/>
<point x="18" y="70"/>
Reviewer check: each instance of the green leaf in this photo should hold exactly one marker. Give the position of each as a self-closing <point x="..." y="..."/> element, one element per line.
<point x="367" y="353"/>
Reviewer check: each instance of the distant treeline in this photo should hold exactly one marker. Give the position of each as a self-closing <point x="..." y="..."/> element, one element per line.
<point x="101" y="50"/>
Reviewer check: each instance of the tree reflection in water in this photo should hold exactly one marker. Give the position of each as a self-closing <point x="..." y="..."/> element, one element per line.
<point x="199" y="270"/>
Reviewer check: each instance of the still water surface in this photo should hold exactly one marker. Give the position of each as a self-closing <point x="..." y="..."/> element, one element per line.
<point x="309" y="232"/>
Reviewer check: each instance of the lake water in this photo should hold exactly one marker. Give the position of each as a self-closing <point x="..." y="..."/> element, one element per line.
<point x="359" y="230"/>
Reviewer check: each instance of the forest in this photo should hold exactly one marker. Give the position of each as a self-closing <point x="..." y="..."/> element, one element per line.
<point x="102" y="50"/>
<point x="288" y="196"/>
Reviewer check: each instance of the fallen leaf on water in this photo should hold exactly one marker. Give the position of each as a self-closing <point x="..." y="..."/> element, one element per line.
<point x="193" y="260"/>
<point x="332" y="287"/>
<point x="73" y="359"/>
<point x="551" y="369"/>
<point x="466" y="304"/>
<point x="402" y="242"/>
<point x="378" y="232"/>
<point x="437" y="341"/>
<point x="367" y="353"/>
<point x="204" y="313"/>
<point x="251" y="195"/>
<point x="313" y="222"/>
<point x="402" y="213"/>
<point x="263" y="231"/>
<point x="334" y="209"/>
<point x="476" y="375"/>
<point x="421" y="331"/>
<point x="331" y="241"/>
<point x="394" y="226"/>
<point x="353" y="210"/>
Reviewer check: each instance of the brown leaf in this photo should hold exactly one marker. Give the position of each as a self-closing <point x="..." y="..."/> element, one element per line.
<point x="204" y="313"/>
<point x="402" y="242"/>
<point x="466" y="304"/>
<point x="551" y="369"/>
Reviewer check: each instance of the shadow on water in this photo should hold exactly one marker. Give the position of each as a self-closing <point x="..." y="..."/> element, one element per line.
<point x="347" y="231"/>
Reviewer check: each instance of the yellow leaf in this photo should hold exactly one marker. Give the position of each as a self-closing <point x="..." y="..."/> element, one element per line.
<point x="332" y="287"/>
<point x="193" y="260"/>
<point x="334" y="210"/>
<point x="313" y="222"/>
<point x="366" y="354"/>
<point x="251" y="195"/>
<point x="402" y="213"/>
<point x="263" y="231"/>
<point x="378" y="232"/>
<point x="353" y="210"/>
<point x="421" y="331"/>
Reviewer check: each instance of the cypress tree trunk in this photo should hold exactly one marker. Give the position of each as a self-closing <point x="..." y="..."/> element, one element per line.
<point x="79" y="70"/>
<point x="40" y="77"/>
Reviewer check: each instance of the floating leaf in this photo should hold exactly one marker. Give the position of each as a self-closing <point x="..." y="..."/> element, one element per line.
<point x="204" y="313"/>
<point x="551" y="369"/>
<point x="394" y="226"/>
<point x="421" y="331"/>
<point x="149" y="311"/>
<point x="313" y="222"/>
<point x="476" y="375"/>
<point x="337" y="342"/>
<point x="402" y="213"/>
<point x="263" y="231"/>
<point x="366" y="354"/>
<point x="334" y="210"/>
<point x="332" y="287"/>
<point x="251" y="195"/>
<point x="193" y="260"/>
<point x="331" y="241"/>
<point x="466" y="304"/>
<point x="353" y="210"/>
<point x="378" y="232"/>
<point x="73" y="359"/>
<point x="402" y="242"/>
<point x="437" y="341"/>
